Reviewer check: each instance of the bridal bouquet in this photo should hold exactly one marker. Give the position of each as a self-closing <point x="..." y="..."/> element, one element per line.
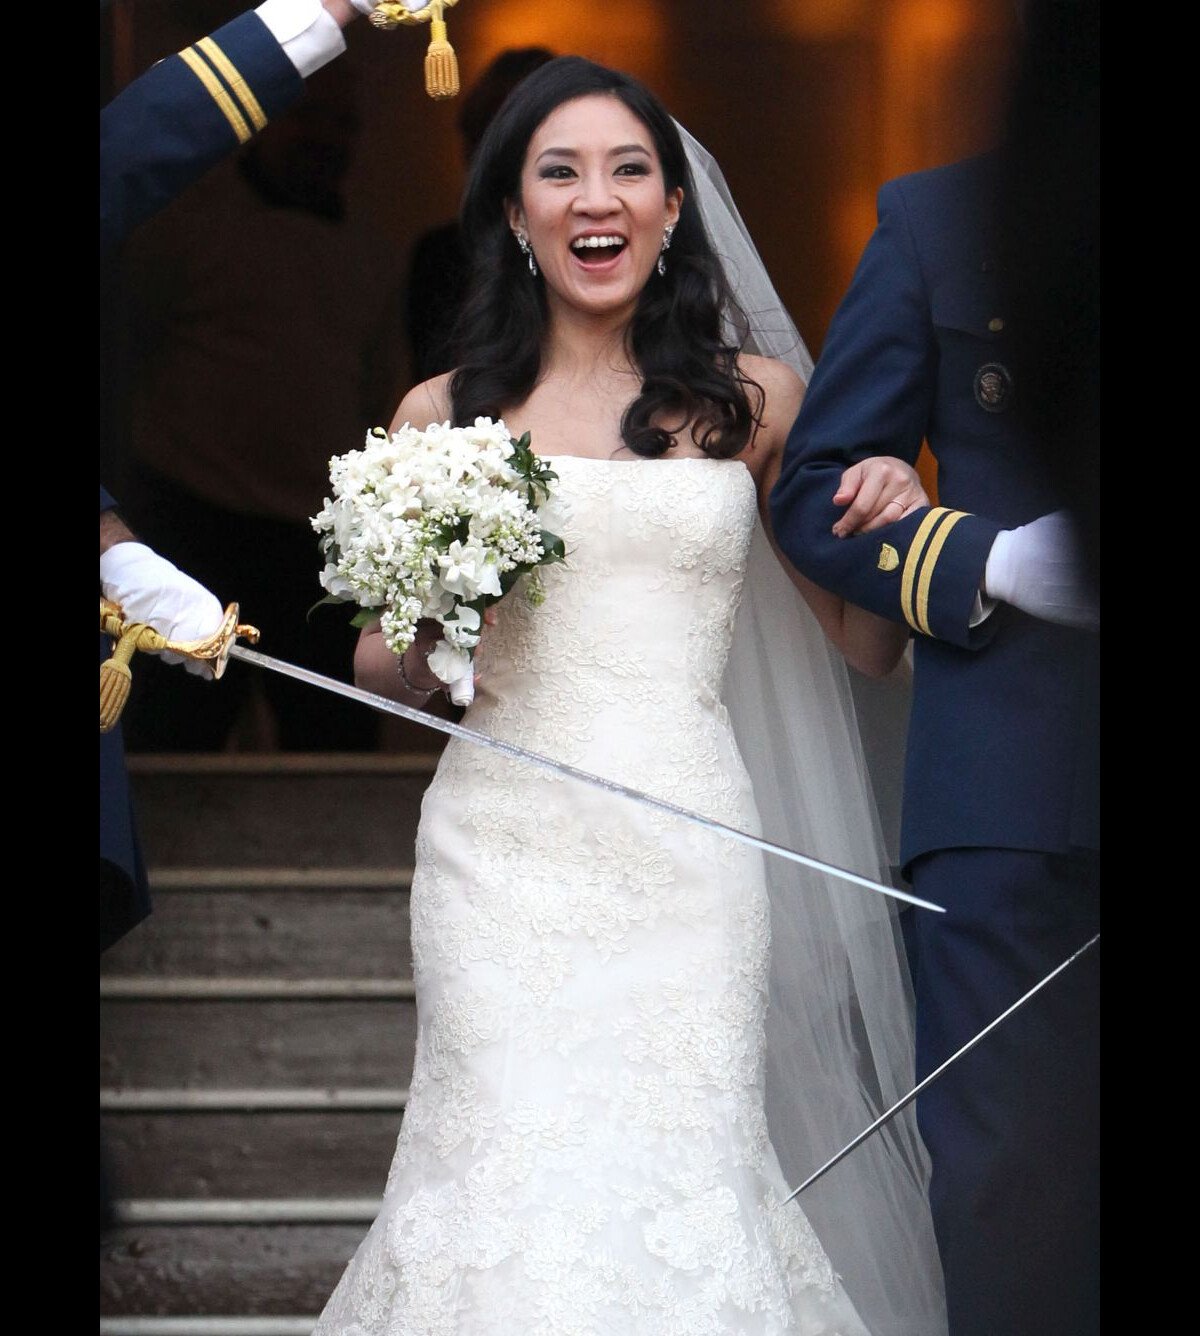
<point x="437" y="523"/>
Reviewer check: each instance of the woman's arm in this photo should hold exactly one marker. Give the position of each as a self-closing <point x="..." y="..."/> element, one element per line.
<point x="407" y="678"/>
<point x="425" y="403"/>
<point x="376" y="668"/>
<point x="870" y="643"/>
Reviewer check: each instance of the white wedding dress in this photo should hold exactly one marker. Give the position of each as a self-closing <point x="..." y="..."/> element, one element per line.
<point x="585" y="1148"/>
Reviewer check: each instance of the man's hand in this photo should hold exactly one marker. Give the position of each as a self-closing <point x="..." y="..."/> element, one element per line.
<point x="1038" y="568"/>
<point x="150" y="589"/>
<point x="877" y="491"/>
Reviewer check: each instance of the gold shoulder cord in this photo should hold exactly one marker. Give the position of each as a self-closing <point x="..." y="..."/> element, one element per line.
<point x="441" y="64"/>
<point x="115" y="676"/>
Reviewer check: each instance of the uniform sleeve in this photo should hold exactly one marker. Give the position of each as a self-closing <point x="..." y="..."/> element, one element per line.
<point x="182" y="116"/>
<point x="871" y="394"/>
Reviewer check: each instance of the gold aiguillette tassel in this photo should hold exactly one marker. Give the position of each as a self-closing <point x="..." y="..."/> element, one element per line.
<point x="115" y="677"/>
<point x="441" y="64"/>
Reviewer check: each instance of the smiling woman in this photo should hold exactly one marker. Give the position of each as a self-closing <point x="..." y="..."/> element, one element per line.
<point x="587" y="155"/>
<point x="594" y="208"/>
<point x="588" y="1145"/>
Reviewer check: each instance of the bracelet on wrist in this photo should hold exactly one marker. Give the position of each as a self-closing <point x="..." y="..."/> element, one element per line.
<point x="426" y="692"/>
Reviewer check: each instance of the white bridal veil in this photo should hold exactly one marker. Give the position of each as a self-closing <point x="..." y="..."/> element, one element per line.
<point x="840" y="1046"/>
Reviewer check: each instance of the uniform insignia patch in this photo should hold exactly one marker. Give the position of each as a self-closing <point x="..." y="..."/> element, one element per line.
<point x="993" y="387"/>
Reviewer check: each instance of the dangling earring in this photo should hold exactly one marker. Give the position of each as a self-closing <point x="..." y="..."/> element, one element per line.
<point x="527" y="251"/>
<point x="661" y="266"/>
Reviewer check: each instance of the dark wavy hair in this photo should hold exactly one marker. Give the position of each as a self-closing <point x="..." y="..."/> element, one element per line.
<point x="689" y="370"/>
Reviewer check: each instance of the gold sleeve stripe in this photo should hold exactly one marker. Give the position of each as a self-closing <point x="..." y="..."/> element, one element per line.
<point x="912" y="563"/>
<point x="218" y="94"/>
<point x="927" y="567"/>
<point x="237" y="85"/>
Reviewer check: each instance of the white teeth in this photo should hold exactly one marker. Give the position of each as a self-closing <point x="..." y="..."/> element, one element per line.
<point x="592" y="243"/>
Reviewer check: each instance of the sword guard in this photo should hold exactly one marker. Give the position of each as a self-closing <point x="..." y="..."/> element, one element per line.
<point x="390" y="14"/>
<point x="115" y="673"/>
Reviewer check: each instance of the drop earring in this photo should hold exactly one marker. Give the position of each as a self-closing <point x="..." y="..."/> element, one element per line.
<point x="527" y="251"/>
<point x="661" y="266"/>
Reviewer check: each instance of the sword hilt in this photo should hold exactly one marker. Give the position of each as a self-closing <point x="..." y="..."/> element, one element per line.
<point x="115" y="673"/>
<point x="441" y="64"/>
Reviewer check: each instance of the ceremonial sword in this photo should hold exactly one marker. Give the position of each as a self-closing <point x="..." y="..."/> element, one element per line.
<point x="389" y="706"/>
<point x="937" y="1071"/>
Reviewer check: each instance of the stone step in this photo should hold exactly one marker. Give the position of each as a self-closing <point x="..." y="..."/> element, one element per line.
<point x="275" y="1044"/>
<point x="260" y="1153"/>
<point x="208" y="1325"/>
<point x="256" y="1037"/>
<point x="278" y="922"/>
<point x="218" y="1270"/>
<point x="279" y="809"/>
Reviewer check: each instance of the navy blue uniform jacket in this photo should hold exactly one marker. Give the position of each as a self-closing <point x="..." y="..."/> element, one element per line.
<point x="164" y="131"/>
<point x="168" y="127"/>
<point x="1003" y="739"/>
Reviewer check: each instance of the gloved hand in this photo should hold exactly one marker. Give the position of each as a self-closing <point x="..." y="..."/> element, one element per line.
<point x="1038" y="568"/>
<point x="152" y="590"/>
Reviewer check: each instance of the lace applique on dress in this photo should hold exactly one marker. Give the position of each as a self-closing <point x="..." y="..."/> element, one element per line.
<point x="584" y="1151"/>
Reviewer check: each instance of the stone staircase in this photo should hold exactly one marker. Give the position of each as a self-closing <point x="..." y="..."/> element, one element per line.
<point x="257" y="1034"/>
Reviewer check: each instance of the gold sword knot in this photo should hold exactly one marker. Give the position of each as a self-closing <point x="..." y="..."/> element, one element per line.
<point x="130" y="636"/>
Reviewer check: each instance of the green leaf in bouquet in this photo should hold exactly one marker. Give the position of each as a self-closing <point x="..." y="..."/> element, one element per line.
<point x="329" y="599"/>
<point x="554" y="548"/>
<point x="523" y="456"/>
<point x="536" y="474"/>
<point x="364" y="617"/>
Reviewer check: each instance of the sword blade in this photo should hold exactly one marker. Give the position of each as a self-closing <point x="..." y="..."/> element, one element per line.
<point x="933" y="1075"/>
<point x="388" y="706"/>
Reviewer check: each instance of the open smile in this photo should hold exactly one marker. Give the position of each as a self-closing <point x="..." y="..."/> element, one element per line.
<point x="599" y="250"/>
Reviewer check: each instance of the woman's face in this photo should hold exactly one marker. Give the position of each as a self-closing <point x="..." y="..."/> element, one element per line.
<point x="594" y="204"/>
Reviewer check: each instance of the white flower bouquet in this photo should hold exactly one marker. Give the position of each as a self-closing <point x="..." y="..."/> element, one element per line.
<point x="437" y="523"/>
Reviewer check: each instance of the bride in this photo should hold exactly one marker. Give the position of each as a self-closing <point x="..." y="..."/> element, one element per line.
<point x="633" y="1034"/>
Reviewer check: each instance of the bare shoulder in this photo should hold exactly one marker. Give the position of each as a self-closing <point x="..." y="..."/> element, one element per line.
<point x="425" y="403"/>
<point x="781" y="385"/>
<point x="782" y="392"/>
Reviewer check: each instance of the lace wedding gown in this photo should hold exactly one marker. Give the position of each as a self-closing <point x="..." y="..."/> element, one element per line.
<point x="585" y="1148"/>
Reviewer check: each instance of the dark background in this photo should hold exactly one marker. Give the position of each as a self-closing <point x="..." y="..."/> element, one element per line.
<point x="808" y="105"/>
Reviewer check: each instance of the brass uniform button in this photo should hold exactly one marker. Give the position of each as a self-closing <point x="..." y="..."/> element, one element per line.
<point x="889" y="558"/>
<point x="995" y="324"/>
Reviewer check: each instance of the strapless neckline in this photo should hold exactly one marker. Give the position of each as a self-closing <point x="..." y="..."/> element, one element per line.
<point x="630" y="463"/>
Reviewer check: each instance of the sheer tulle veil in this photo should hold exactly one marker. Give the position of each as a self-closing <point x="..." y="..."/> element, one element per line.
<point x="840" y="1016"/>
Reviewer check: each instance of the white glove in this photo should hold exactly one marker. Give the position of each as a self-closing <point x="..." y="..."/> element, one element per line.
<point x="151" y="590"/>
<point x="1038" y="568"/>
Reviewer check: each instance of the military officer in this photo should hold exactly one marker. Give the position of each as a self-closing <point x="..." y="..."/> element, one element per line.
<point x="185" y="114"/>
<point x="1000" y="816"/>
<point x="157" y="136"/>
